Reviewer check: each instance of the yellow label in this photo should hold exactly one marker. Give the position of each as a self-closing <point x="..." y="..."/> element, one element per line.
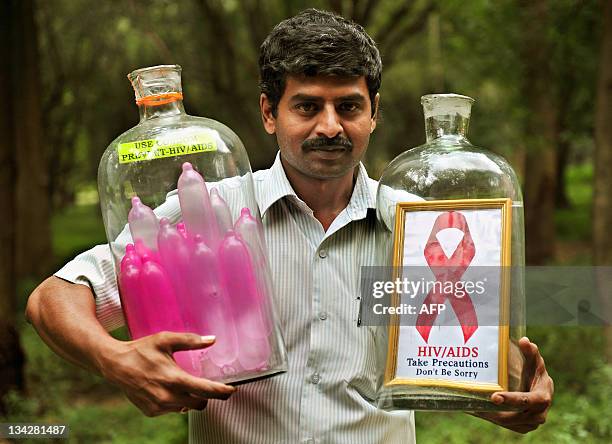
<point x="151" y="149"/>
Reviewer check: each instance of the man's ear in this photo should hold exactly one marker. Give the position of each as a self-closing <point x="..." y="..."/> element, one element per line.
<point x="375" y="113"/>
<point x="267" y="117"/>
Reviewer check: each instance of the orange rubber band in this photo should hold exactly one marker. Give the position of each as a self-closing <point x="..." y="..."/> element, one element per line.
<point x="160" y="99"/>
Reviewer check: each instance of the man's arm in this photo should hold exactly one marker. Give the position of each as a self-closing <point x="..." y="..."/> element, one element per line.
<point x="64" y="315"/>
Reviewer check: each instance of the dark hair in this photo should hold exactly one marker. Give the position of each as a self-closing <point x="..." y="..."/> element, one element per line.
<point x="317" y="43"/>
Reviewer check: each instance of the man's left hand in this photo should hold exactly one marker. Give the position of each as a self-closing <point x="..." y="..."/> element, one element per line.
<point x="533" y="404"/>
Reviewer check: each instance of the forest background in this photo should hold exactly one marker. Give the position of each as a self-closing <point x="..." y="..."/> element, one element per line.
<point x="541" y="74"/>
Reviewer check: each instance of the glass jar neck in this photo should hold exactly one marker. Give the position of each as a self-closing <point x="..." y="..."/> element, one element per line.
<point x="149" y="110"/>
<point x="451" y="126"/>
<point x="446" y="116"/>
<point x="158" y="91"/>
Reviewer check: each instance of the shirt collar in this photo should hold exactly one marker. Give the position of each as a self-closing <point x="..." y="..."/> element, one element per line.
<point x="364" y="195"/>
<point x="275" y="186"/>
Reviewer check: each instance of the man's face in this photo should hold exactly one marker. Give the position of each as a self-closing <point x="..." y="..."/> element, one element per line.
<point x="323" y="124"/>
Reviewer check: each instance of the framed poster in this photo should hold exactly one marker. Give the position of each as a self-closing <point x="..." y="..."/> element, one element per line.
<point x="457" y="253"/>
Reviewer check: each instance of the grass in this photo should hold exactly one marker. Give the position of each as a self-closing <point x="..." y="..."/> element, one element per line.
<point x="583" y="387"/>
<point x="573" y="419"/>
<point x="95" y="411"/>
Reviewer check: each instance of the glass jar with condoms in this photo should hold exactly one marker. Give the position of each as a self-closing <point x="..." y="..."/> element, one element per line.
<point x="180" y="214"/>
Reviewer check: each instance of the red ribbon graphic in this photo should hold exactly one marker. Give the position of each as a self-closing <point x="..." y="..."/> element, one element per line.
<point x="445" y="270"/>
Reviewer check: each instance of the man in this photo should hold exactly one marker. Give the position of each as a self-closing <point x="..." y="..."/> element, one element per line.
<point x="320" y="76"/>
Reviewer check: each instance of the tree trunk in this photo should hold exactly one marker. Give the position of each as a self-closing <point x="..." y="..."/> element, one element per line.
<point x="33" y="237"/>
<point x="434" y="51"/>
<point x="567" y="83"/>
<point x="541" y="129"/>
<point x="602" y="193"/>
<point x="11" y="355"/>
<point x="563" y="152"/>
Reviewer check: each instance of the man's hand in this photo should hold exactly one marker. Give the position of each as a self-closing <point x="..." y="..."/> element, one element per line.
<point x="64" y="315"/>
<point x="533" y="404"/>
<point x="145" y="370"/>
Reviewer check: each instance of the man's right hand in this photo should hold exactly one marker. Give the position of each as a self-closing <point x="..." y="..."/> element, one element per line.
<point x="145" y="370"/>
<point x="64" y="315"/>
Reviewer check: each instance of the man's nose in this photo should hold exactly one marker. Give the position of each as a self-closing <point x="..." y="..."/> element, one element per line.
<point x="329" y="123"/>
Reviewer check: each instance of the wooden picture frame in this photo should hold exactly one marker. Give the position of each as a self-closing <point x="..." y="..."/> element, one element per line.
<point x="403" y="211"/>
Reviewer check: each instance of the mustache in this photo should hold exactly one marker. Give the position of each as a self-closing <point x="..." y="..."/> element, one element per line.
<point x="325" y="142"/>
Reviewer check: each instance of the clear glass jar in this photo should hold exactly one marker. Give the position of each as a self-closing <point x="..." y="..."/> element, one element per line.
<point x="179" y="208"/>
<point x="455" y="177"/>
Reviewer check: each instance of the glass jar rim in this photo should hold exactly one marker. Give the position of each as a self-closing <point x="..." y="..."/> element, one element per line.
<point x="427" y="98"/>
<point x="446" y="104"/>
<point x="132" y="75"/>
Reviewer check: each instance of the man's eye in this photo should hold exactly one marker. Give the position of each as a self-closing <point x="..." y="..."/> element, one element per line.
<point x="349" y="107"/>
<point x="306" y="107"/>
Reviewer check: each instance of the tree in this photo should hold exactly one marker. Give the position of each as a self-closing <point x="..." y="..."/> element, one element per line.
<point x="25" y="246"/>
<point x="574" y="59"/>
<point x="602" y="200"/>
<point x="541" y="129"/>
<point x="33" y="252"/>
<point x="216" y="43"/>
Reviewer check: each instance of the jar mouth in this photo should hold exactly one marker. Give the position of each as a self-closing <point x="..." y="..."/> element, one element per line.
<point x="446" y="104"/>
<point x="139" y="72"/>
<point x="430" y="97"/>
<point x="156" y="85"/>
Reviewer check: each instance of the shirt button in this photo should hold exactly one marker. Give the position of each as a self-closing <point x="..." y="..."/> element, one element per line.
<point x="315" y="378"/>
<point x="322" y="254"/>
<point x="322" y="315"/>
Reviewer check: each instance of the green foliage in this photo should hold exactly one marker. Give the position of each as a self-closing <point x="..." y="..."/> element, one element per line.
<point x="114" y="420"/>
<point x="583" y="386"/>
<point x="573" y="418"/>
<point x="96" y="412"/>
<point x="572" y="355"/>
<point x="427" y="46"/>
<point x="76" y="229"/>
<point x="98" y="424"/>
<point x="575" y="223"/>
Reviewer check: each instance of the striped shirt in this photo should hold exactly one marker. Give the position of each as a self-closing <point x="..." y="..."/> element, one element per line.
<point x="332" y="367"/>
